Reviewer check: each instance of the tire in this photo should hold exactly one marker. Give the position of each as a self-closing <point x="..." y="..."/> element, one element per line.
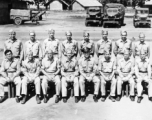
<point x="104" y="25"/>
<point x="40" y="18"/>
<point x="18" y="21"/>
<point x="86" y="24"/>
<point x="122" y="21"/>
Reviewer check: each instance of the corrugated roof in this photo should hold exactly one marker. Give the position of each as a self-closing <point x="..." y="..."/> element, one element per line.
<point x="88" y="3"/>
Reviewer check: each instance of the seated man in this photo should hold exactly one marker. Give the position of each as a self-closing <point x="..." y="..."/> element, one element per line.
<point x="70" y="74"/>
<point x="31" y="68"/>
<point x="126" y="70"/>
<point x="107" y="67"/>
<point x="88" y="67"/>
<point x="50" y="69"/>
<point x="10" y="71"/>
<point x="143" y="74"/>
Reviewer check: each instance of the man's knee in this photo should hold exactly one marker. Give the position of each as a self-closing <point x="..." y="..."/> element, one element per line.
<point x="17" y="80"/>
<point x="24" y="80"/>
<point x="96" y="79"/>
<point x="82" y="79"/>
<point x="37" y="80"/>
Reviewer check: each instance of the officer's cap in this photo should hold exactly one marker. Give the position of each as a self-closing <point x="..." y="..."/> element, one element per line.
<point x="68" y="33"/>
<point x="85" y="33"/>
<point x="51" y="31"/>
<point x="104" y="32"/>
<point x="141" y="35"/>
<point x="124" y="33"/>
<point x="12" y="31"/>
<point x="32" y="32"/>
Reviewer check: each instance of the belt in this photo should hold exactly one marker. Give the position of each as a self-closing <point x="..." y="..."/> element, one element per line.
<point x="143" y="71"/>
<point x="36" y="56"/>
<point x="11" y="71"/>
<point x="16" y="56"/>
<point x="101" y="53"/>
<point x="120" y="53"/>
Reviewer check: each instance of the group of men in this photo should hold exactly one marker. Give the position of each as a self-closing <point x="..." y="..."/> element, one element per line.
<point x="72" y="63"/>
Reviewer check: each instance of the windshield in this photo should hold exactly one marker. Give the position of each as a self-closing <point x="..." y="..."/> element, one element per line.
<point x="142" y="11"/>
<point x="95" y="9"/>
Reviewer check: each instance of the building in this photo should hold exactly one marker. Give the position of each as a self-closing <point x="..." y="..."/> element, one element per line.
<point x="58" y="5"/>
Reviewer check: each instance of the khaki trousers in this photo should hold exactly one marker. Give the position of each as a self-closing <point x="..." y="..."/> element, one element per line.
<point x="96" y="82"/>
<point x="51" y="78"/>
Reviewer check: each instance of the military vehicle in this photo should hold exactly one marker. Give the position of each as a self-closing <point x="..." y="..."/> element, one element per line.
<point x="141" y="17"/>
<point x="94" y="15"/>
<point x="113" y="14"/>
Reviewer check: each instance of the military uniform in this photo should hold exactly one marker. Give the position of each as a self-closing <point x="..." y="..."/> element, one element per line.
<point x="51" y="67"/>
<point x="70" y="74"/>
<point x="35" y="47"/>
<point x="107" y="69"/>
<point x="143" y="73"/>
<point x="88" y="69"/>
<point x="125" y="70"/>
<point x="31" y="74"/>
<point x="10" y="69"/>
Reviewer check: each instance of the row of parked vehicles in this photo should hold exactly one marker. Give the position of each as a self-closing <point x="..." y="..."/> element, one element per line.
<point x="113" y="14"/>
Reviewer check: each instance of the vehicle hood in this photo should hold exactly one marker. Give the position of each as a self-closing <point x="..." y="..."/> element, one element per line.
<point x="112" y="11"/>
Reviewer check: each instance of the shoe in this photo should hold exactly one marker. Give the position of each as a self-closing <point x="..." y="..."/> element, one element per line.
<point x="103" y="98"/>
<point x="45" y="99"/>
<point x="76" y="99"/>
<point x="95" y="98"/>
<point x="2" y="99"/>
<point x="118" y="98"/>
<point x="112" y="98"/>
<point x="17" y="99"/>
<point x="139" y="100"/>
<point x="132" y="98"/>
<point x="83" y="98"/>
<point x="57" y="99"/>
<point x="24" y="99"/>
<point x="38" y="99"/>
<point x="64" y="100"/>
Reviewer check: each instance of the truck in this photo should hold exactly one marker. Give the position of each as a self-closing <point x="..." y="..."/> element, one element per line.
<point x="141" y="17"/>
<point x="20" y="16"/>
<point x="94" y="16"/>
<point x="113" y="14"/>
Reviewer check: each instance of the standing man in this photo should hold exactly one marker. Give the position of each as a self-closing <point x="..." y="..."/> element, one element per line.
<point x="125" y="74"/>
<point x="121" y="45"/>
<point x="69" y="72"/>
<point x="51" y="43"/>
<point x="143" y="74"/>
<point x="104" y="44"/>
<point x="34" y="46"/>
<point x="107" y="67"/>
<point x="10" y="71"/>
<point x="87" y="43"/>
<point x="51" y="68"/>
<point x="31" y="69"/>
<point x="14" y="45"/>
<point x="88" y="67"/>
<point x="68" y="45"/>
<point x="141" y="45"/>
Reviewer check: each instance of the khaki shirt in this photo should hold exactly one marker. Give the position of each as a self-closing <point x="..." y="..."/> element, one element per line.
<point x="10" y="66"/>
<point x="89" y="44"/>
<point x="143" y="66"/>
<point x="72" y="45"/>
<point x="107" y="66"/>
<point x="51" y="45"/>
<point x="69" y="66"/>
<point x="15" y="46"/>
<point x="103" y="45"/>
<point x="50" y="66"/>
<point x="121" y="46"/>
<point x="31" y="66"/>
<point x="126" y="66"/>
<point x="87" y="65"/>
<point x="35" y="47"/>
<point x="141" y="47"/>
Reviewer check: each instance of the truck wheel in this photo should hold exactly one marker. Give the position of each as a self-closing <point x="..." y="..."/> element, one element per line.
<point x="86" y="24"/>
<point x="18" y="21"/>
<point x="104" y="25"/>
<point x="40" y="18"/>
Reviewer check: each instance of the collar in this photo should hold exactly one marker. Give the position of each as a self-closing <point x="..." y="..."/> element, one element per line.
<point x="86" y="41"/>
<point x="49" y="39"/>
<point x="87" y="59"/>
<point x="30" y="61"/>
<point x="69" y="41"/>
<point x="124" y="41"/>
<point x="144" y="61"/>
<point x="33" y="42"/>
<point x="105" y="40"/>
<point x="9" y="40"/>
<point x="141" y="43"/>
<point x="12" y="60"/>
<point x="69" y="60"/>
<point x="51" y="60"/>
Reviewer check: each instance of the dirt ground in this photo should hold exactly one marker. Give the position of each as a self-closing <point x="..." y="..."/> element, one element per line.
<point x="89" y="110"/>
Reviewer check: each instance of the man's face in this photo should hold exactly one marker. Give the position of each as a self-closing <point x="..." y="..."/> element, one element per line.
<point x="142" y="39"/>
<point x="124" y="36"/>
<point x="9" y="55"/>
<point x="30" y="57"/>
<point x="107" y="56"/>
<point x="12" y="35"/>
<point x="126" y="56"/>
<point x="51" y="35"/>
<point x="87" y="55"/>
<point x="105" y="36"/>
<point x="86" y="36"/>
<point x="32" y="36"/>
<point x="50" y="55"/>
<point x="69" y="36"/>
<point x="143" y="56"/>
